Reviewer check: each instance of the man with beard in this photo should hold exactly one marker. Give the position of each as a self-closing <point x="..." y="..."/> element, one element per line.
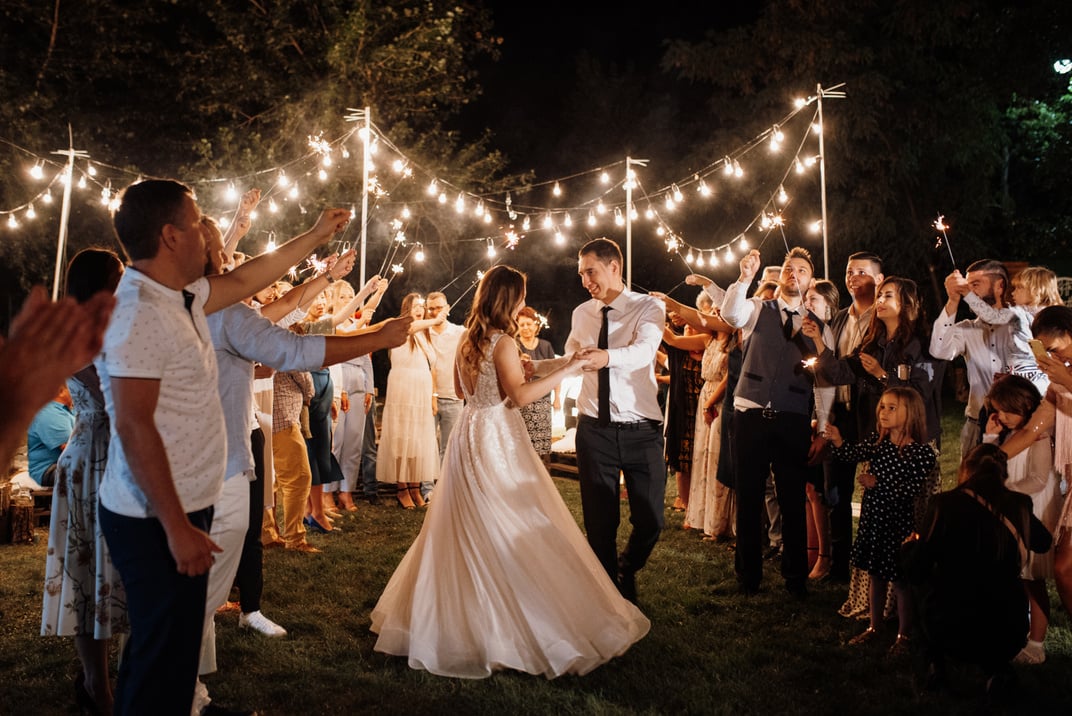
<point x="989" y="348"/>
<point x="773" y="408"/>
<point x="863" y="272"/>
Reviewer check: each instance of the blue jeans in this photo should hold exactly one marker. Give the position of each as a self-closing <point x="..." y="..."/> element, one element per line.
<point x="446" y="416"/>
<point x="166" y="612"/>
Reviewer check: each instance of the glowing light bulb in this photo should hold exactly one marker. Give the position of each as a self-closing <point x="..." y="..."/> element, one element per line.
<point x="559" y="238"/>
<point x="810" y="161"/>
<point x="799" y="102"/>
<point x="699" y="260"/>
<point x="727" y="166"/>
<point x="293" y="192"/>
<point x="764" y="223"/>
<point x="649" y="213"/>
<point x="678" y="196"/>
<point x="632" y="212"/>
<point x="487" y="217"/>
<point x="782" y="196"/>
<point x="729" y="255"/>
<point x="557" y="191"/>
<point x="743" y="243"/>
<point x="37" y="172"/>
<point x="272" y="206"/>
<point x="619" y="220"/>
<point x="660" y="230"/>
<point x="345" y="152"/>
<point x="703" y="189"/>
<point x="714" y="259"/>
<point x="326" y="161"/>
<point x="737" y="171"/>
<point x="442" y="197"/>
<point x="479" y="210"/>
<point x="322" y="174"/>
<point x="591" y="219"/>
<point x="82" y="182"/>
<point x="47" y="198"/>
<point x="567" y="220"/>
<point x="689" y="258"/>
<point x="604" y="178"/>
<point x="282" y="179"/>
<point x="433" y="188"/>
<point x="491" y="250"/>
<point x="669" y="202"/>
<point x="459" y="203"/>
<point x="816" y="226"/>
<point x="12" y="222"/>
<point x="526" y="223"/>
<point x="398" y="165"/>
<point x="419" y="254"/>
<point x="816" y="128"/>
<point x="405" y="211"/>
<point x="92" y="170"/>
<point x="30" y="213"/>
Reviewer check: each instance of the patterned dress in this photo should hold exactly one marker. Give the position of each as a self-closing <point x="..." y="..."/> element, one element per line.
<point x="685" y="384"/>
<point x="537" y="414"/>
<point x="887" y="509"/>
<point x="83" y="592"/>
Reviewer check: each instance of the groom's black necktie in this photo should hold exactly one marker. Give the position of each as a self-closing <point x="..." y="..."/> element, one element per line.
<point x="604" y="374"/>
<point x="787" y="327"/>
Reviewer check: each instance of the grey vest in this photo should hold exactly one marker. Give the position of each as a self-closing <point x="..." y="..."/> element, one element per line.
<point x="773" y="372"/>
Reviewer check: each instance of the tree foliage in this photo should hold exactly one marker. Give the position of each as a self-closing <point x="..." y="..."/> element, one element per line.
<point x="923" y="130"/>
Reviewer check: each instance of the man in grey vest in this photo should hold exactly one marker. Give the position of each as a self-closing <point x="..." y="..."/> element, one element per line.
<point x="774" y="402"/>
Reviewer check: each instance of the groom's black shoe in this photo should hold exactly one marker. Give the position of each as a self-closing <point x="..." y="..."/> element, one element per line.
<point x="627" y="585"/>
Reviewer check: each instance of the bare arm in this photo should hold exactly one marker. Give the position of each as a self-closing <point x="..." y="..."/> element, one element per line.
<point x="705" y="322"/>
<point x="507" y="359"/>
<point x="241" y="222"/>
<point x="1040" y="423"/>
<point x="695" y="342"/>
<point x="258" y="272"/>
<point x="386" y="334"/>
<point x="303" y="295"/>
<point x="135" y="402"/>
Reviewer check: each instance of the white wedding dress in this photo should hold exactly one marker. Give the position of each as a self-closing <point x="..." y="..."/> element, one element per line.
<point x="500" y="576"/>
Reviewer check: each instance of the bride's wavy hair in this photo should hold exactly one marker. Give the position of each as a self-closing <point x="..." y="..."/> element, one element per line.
<point x="497" y="295"/>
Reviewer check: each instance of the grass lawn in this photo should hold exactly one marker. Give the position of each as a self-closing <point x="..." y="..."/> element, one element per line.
<point x="710" y="650"/>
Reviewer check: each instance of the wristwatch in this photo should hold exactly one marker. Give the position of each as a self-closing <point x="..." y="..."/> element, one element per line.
<point x="331" y="279"/>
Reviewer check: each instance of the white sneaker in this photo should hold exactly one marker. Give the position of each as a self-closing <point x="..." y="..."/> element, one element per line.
<point x="1031" y="655"/>
<point x="258" y="622"/>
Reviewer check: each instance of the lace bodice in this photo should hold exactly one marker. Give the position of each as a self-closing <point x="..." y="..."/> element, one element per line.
<point x="486" y="391"/>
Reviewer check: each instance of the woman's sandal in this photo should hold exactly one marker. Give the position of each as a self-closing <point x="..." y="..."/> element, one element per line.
<point x="865" y="637"/>
<point x="415" y="496"/>
<point x="404" y="499"/>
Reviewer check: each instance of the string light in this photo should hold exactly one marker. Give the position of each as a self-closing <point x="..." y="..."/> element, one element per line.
<point x="703" y="189"/>
<point x="491" y="249"/>
<point x="12" y="222"/>
<point x="548" y="222"/>
<point x="591" y="219"/>
<point x="699" y="260"/>
<point x="567" y="220"/>
<point x="92" y="170"/>
<point x="601" y="208"/>
<point x="619" y="220"/>
<point x="782" y="196"/>
<point x="30" y="213"/>
<point x="433" y="188"/>
<point x="676" y="192"/>
<point x="47" y="197"/>
<point x="37" y="172"/>
<point x="557" y="191"/>
<point x="526" y="223"/>
<point x="282" y="179"/>
<point x="418" y="255"/>
<point x="559" y="238"/>
<point x="604" y="178"/>
<point x="405" y="211"/>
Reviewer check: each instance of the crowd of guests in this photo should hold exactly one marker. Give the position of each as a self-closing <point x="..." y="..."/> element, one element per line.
<point x="225" y="412"/>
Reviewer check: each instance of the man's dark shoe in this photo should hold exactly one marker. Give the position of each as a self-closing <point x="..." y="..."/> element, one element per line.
<point x="772" y="553"/>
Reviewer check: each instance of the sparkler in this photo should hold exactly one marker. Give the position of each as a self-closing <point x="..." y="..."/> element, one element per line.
<point x="940" y="225"/>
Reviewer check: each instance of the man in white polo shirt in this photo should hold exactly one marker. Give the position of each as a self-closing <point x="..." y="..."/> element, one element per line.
<point x="166" y="460"/>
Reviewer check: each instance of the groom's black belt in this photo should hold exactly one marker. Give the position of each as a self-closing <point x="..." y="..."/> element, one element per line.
<point x="631" y="425"/>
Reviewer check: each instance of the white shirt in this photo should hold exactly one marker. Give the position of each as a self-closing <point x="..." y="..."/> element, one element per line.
<point x="742" y="312"/>
<point x="987" y="349"/>
<point x="445" y="345"/>
<point x="634" y="332"/>
<point x="153" y="335"/>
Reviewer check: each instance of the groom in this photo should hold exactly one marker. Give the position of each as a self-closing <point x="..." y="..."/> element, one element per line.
<point x="620" y="424"/>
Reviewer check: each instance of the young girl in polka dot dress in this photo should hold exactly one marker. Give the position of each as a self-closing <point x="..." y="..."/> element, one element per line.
<point x="900" y="460"/>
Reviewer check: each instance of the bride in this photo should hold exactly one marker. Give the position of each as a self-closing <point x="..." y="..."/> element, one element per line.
<point x="500" y="576"/>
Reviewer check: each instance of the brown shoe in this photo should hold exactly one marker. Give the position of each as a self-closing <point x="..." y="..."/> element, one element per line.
<point x="900" y="647"/>
<point x="864" y="637"/>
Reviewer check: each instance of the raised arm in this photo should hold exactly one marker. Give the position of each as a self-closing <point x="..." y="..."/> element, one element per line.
<point x="706" y="322"/>
<point x="303" y="295"/>
<point x="736" y="308"/>
<point x="240" y="223"/>
<point x="255" y="274"/>
<point x="339" y="317"/>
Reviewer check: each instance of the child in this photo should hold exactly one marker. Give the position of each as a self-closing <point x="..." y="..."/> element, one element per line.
<point x="900" y="460"/>
<point x="1034" y="288"/>
<point x="1012" y="400"/>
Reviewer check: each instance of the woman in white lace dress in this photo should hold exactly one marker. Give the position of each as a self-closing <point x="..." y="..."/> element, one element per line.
<point x="500" y="576"/>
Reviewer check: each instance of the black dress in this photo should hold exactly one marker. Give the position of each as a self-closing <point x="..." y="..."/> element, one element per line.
<point x="886" y="511"/>
<point x="686" y="381"/>
<point x="967" y="577"/>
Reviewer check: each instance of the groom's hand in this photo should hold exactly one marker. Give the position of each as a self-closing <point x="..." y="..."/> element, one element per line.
<point x="594" y="358"/>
